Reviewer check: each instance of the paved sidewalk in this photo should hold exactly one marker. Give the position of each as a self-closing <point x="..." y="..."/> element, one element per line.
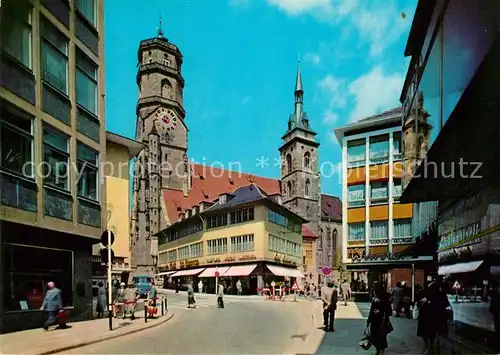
<point x="350" y="322"/>
<point x="39" y="341"/>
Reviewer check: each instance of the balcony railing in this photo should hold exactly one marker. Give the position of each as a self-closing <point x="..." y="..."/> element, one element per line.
<point x="356" y="163"/>
<point x="397" y="156"/>
<point x="89" y="213"/>
<point x="356" y="203"/>
<point x="379" y="241"/>
<point x="18" y="192"/>
<point x="402" y="240"/>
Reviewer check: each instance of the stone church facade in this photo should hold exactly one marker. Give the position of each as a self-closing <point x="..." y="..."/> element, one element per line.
<point x="164" y="180"/>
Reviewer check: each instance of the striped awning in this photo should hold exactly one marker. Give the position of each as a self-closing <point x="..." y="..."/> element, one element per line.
<point x="190" y="272"/>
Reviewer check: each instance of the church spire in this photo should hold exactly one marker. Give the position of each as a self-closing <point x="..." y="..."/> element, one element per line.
<point x="299" y="95"/>
<point x="160" y="29"/>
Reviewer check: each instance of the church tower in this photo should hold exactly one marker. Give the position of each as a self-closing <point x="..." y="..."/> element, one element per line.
<point x="300" y="176"/>
<point x="161" y="127"/>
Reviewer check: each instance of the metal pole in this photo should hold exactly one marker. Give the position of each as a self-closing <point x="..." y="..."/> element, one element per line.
<point x="413" y="283"/>
<point x="145" y="311"/>
<point x="110" y="294"/>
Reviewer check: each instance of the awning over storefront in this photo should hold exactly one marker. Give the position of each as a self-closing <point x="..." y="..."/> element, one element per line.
<point x="188" y="272"/>
<point x="167" y="273"/>
<point x="240" y="270"/>
<point x="284" y="271"/>
<point x="210" y="272"/>
<point x="459" y="268"/>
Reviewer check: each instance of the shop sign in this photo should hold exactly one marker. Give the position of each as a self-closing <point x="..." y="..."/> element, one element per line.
<point x="230" y="259"/>
<point x="248" y="257"/>
<point x="469" y="234"/>
<point x="193" y="262"/>
<point x="213" y="260"/>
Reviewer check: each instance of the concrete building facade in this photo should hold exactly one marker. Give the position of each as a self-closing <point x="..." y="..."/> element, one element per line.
<point x="53" y="139"/>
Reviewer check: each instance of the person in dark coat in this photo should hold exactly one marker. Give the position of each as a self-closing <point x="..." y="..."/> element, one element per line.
<point x="432" y="320"/>
<point x="378" y="319"/>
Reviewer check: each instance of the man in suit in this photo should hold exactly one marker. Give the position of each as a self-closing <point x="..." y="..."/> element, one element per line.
<point x="52" y="304"/>
<point x="329" y="296"/>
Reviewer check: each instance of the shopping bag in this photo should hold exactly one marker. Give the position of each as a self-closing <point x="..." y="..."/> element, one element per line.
<point x="416" y="312"/>
<point x="365" y="342"/>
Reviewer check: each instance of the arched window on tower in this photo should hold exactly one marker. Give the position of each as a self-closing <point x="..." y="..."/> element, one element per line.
<point x="334" y="241"/>
<point x="307" y="187"/>
<point x="307" y="160"/>
<point x="166" y="89"/>
<point x="288" y="163"/>
<point x="289" y="189"/>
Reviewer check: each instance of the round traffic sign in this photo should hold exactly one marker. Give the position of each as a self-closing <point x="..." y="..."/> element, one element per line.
<point x="105" y="237"/>
<point x="326" y="270"/>
<point x="217" y="274"/>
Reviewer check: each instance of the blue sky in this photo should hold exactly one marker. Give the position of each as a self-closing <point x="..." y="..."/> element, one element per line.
<point x="240" y="62"/>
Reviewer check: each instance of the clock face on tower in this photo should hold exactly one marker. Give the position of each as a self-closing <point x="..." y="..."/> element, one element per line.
<point x="166" y="119"/>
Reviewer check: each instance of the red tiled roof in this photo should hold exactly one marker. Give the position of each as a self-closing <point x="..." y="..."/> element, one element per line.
<point x="208" y="183"/>
<point x="331" y="207"/>
<point x="306" y="232"/>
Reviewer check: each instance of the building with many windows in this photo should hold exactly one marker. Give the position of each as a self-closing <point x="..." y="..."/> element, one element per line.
<point x="244" y="235"/>
<point x="52" y="129"/>
<point x="378" y="227"/>
<point x="450" y="109"/>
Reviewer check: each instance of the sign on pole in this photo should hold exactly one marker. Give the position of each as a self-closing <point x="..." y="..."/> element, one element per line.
<point x="326" y="270"/>
<point x="295" y="287"/>
<point x="107" y="238"/>
<point x="217" y="274"/>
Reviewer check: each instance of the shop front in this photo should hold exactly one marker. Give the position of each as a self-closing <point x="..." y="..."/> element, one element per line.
<point x="253" y="277"/>
<point x="32" y="257"/>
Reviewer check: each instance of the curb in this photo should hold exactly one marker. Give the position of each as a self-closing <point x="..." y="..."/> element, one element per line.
<point x="113" y="336"/>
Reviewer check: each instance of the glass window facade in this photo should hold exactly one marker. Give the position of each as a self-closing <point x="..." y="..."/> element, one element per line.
<point x="56" y="167"/>
<point x="379" y="230"/>
<point x="86" y="82"/>
<point x="16" y="144"/>
<point x="88" y="160"/>
<point x="356" y="153"/>
<point x="54" y="52"/>
<point x="379" y="191"/>
<point x="356" y="195"/>
<point x="459" y="36"/>
<point x="379" y="149"/>
<point x="18" y="43"/>
<point x="356" y="232"/>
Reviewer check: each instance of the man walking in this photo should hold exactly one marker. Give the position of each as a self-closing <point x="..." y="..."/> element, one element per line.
<point x="346" y="291"/>
<point x="220" y="296"/>
<point x="239" y="288"/>
<point x="52" y="304"/>
<point x="329" y="297"/>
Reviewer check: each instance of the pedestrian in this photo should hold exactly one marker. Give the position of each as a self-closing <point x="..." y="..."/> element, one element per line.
<point x="397" y="298"/>
<point x="495" y="313"/>
<point x="152" y="298"/>
<point x="432" y="319"/>
<point x="101" y="300"/>
<point x="131" y="296"/>
<point x="378" y="318"/>
<point x="346" y="291"/>
<point x="329" y="296"/>
<point x="177" y="288"/>
<point x="220" y="296"/>
<point x="52" y="304"/>
<point x="120" y="298"/>
<point x="190" y="293"/>
<point x="239" y="288"/>
<point x="200" y="286"/>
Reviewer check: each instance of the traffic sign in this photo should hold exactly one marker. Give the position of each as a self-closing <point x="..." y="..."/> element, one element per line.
<point x="326" y="270"/>
<point x="104" y="255"/>
<point x="456" y="285"/>
<point x="104" y="238"/>
<point x="217" y="274"/>
<point x="295" y="287"/>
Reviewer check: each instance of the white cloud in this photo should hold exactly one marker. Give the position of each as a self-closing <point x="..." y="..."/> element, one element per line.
<point x="245" y="100"/>
<point x="374" y="92"/>
<point x="297" y="7"/>
<point x="330" y="117"/>
<point x="377" y="24"/>
<point x="312" y="58"/>
<point x="369" y="94"/>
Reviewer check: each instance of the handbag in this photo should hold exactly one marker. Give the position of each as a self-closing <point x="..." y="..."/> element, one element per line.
<point x="365" y="342"/>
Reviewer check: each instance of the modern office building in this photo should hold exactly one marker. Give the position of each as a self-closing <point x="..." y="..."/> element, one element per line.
<point x="52" y="129"/>
<point x="119" y="151"/>
<point x="450" y="101"/>
<point x="243" y="235"/>
<point x="379" y="229"/>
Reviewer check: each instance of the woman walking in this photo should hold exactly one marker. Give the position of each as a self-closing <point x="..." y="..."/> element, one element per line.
<point x="432" y="320"/>
<point x="190" y="293"/>
<point x="101" y="300"/>
<point x="378" y="319"/>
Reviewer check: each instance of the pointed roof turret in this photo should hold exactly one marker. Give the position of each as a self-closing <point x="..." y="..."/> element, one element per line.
<point x="298" y="80"/>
